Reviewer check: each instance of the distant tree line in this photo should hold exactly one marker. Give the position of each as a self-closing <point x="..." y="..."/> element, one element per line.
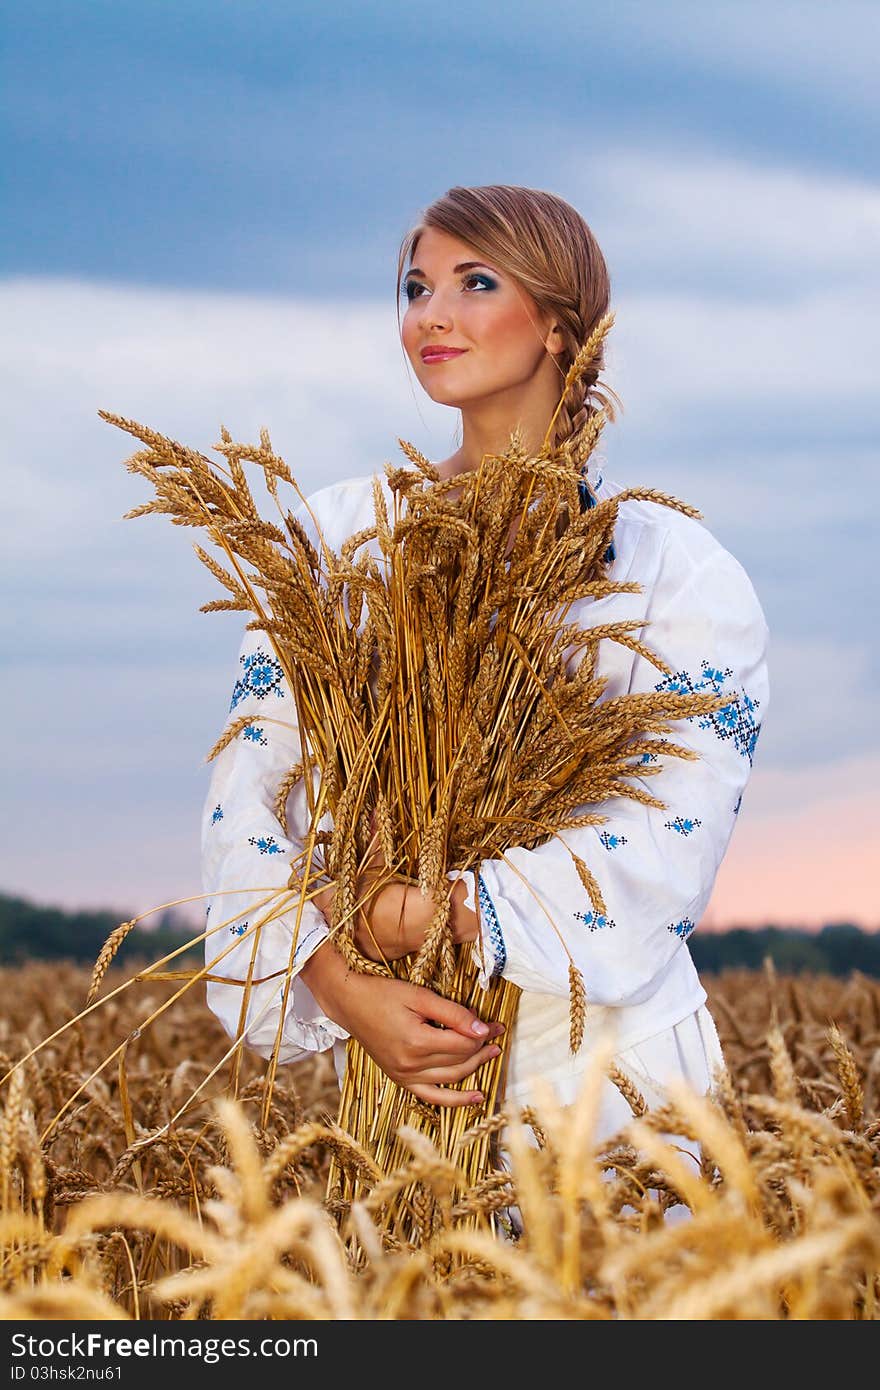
<point x="835" y="949"/>
<point x="28" y="930"/>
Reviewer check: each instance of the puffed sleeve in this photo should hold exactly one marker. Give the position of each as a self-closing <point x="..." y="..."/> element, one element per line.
<point x="246" y="855"/>
<point x="655" y="869"/>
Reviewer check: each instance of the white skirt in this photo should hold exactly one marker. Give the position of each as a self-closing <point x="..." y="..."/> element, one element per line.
<point x="689" y="1050"/>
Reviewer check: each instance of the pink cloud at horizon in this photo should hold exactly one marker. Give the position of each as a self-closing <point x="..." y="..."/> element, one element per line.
<point x="804" y="851"/>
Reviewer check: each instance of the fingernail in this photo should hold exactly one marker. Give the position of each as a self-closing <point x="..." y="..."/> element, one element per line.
<point x="479" y="1027"/>
<point x="477" y="1098"/>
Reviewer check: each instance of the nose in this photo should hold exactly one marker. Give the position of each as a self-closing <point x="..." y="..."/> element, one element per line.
<point x="435" y="315"/>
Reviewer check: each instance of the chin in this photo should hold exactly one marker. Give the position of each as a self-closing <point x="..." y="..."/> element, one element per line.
<point x="439" y="396"/>
<point x="454" y="402"/>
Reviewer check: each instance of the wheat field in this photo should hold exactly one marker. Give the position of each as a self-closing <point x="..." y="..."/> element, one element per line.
<point x="114" y="1208"/>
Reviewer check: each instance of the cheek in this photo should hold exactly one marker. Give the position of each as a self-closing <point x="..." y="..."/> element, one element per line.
<point x="504" y="326"/>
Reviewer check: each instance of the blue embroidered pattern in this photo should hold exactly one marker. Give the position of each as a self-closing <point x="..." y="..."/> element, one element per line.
<point x="262" y="674"/>
<point x="239" y="928"/>
<point x="216" y="814"/>
<point x="496" y="939"/>
<point x="587" y="501"/>
<point x="594" y="921"/>
<point x="648" y="758"/>
<point x="685" y="825"/>
<point x="682" y="928"/>
<point x="254" y="735"/>
<point x="266" y="844"/>
<point x="612" y="841"/>
<point x="738" y="804"/>
<point x="301" y="945"/>
<point x="734" y="721"/>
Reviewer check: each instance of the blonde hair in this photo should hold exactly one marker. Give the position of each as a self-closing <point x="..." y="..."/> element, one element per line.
<point x="543" y="244"/>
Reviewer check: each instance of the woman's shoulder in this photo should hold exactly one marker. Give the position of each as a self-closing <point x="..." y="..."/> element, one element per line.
<point x="653" y="539"/>
<point x="666" y="524"/>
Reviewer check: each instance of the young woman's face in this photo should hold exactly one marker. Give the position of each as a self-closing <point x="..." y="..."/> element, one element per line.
<point x="475" y="308"/>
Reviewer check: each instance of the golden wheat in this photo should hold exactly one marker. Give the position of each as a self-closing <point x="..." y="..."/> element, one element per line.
<point x="229" y="1218"/>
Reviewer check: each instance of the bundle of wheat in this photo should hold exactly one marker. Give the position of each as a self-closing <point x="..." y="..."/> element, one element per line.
<point x="463" y="715"/>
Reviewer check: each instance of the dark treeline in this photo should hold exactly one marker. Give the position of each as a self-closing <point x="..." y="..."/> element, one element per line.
<point x="28" y="930"/>
<point x="835" y="949"/>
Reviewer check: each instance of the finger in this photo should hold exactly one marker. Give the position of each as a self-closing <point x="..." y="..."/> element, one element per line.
<point x="457" y="1071"/>
<point x="442" y="1045"/>
<point x="460" y="1041"/>
<point x="461" y="1066"/>
<point x="436" y="1037"/>
<point x="437" y="1095"/>
<point x="455" y="1016"/>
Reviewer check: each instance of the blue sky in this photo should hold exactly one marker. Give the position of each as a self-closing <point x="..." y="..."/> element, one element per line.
<point x="258" y="146"/>
<point x="203" y="208"/>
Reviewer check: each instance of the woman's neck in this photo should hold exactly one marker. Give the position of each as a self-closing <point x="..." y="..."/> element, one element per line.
<point x="488" y="431"/>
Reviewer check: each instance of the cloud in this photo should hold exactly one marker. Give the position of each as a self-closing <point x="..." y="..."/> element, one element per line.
<point x="742" y="286"/>
<point x="791" y="231"/>
<point x="805" y="47"/>
<point x="719" y="154"/>
<point x="325" y="379"/>
<point x="822" y="705"/>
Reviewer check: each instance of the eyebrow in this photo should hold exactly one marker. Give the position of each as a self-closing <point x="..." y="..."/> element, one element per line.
<point x="462" y="265"/>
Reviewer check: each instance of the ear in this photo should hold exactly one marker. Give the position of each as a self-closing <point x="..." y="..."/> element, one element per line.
<point x="554" y="341"/>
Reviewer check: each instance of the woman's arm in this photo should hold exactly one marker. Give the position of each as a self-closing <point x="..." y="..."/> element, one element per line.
<point x="655" y="868"/>
<point x="246" y="857"/>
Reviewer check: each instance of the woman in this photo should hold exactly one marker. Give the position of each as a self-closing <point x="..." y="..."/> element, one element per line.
<point x="504" y="285"/>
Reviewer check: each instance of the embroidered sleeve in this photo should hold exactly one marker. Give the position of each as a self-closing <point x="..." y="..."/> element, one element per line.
<point x="655" y="868"/>
<point x="489" y="953"/>
<point x="246" y="856"/>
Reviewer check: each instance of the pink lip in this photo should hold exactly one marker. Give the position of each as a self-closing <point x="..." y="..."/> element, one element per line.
<point x="441" y="354"/>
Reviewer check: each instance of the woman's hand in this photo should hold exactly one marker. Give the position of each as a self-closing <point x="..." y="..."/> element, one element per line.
<point x="395" y="917"/>
<point x="399" y="918"/>
<point x="392" y="922"/>
<point x="420" y="1040"/>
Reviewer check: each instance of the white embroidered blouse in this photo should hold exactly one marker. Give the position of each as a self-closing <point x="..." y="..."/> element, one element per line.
<point x="656" y="869"/>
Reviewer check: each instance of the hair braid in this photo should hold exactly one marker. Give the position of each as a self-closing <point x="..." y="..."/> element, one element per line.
<point x="586" y="397"/>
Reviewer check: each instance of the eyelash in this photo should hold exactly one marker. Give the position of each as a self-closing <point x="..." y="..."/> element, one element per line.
<point x="415" y="284"/>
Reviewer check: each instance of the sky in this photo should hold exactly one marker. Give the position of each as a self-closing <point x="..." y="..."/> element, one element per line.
<point x="203" y="208"/>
